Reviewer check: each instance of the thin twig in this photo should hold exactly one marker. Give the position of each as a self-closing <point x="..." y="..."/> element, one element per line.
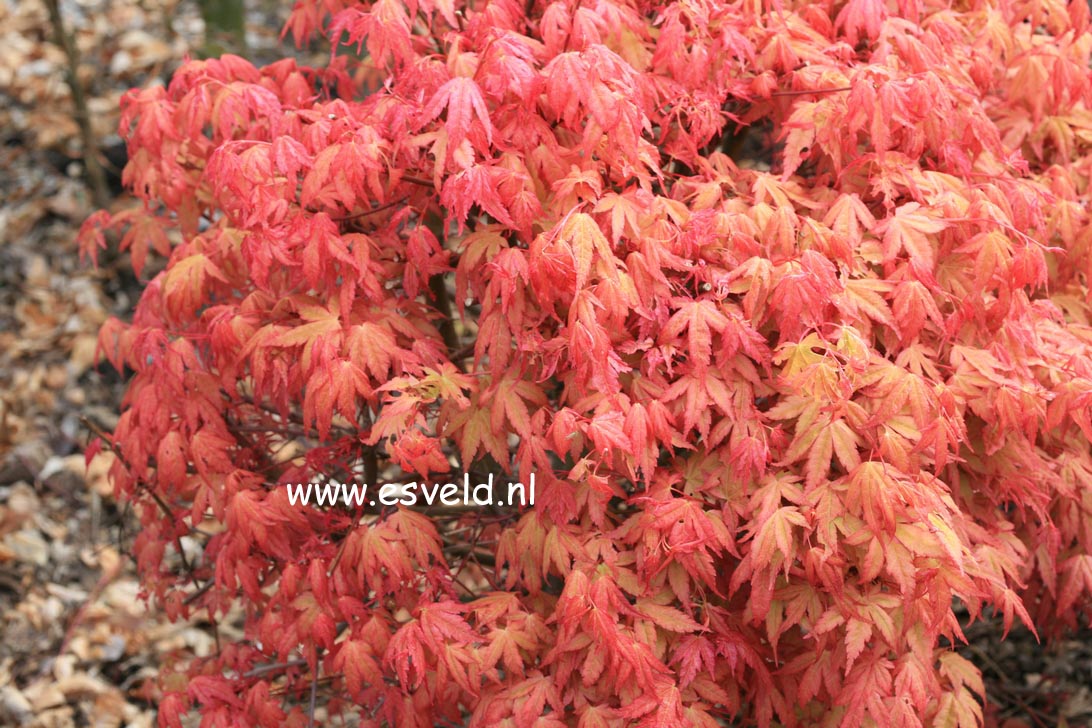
<point x="372" y="211"/>
<point x="274" y="667"/>
<point x="806" y="91"/>
<point x="314" y="695"/>
<point x="197" y="594"/>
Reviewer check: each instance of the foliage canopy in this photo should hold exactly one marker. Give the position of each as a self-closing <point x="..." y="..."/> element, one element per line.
<point x="783" y="417"/>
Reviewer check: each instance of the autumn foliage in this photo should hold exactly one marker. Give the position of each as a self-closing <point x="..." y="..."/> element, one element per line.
<point x="785" y="304"/>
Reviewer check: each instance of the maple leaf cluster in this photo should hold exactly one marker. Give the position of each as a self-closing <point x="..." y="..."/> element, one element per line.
<point x="796" y="415"/>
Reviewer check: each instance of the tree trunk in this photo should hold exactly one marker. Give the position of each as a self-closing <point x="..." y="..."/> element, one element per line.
<point x="225" y="27"/>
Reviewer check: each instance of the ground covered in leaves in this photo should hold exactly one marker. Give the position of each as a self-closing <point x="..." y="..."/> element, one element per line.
<point x="77" y="644"/>
<point x="78" y="647"/>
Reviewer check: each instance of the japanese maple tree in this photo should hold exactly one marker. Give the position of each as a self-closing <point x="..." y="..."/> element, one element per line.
<point x="784" y="303"/>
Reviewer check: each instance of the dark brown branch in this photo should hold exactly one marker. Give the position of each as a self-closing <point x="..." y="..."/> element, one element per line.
<point x="95" y="176"/>
<point x="465" y="550"/>
<point x="438" y="285"/>
<point x="804" y="92"/>
<point x="365" y="213"/>
<point x="415" y="180"/>
<point x="464" y="352"/>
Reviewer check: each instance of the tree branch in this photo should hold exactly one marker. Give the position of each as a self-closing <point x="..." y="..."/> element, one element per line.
<point x="96" y="178"/>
